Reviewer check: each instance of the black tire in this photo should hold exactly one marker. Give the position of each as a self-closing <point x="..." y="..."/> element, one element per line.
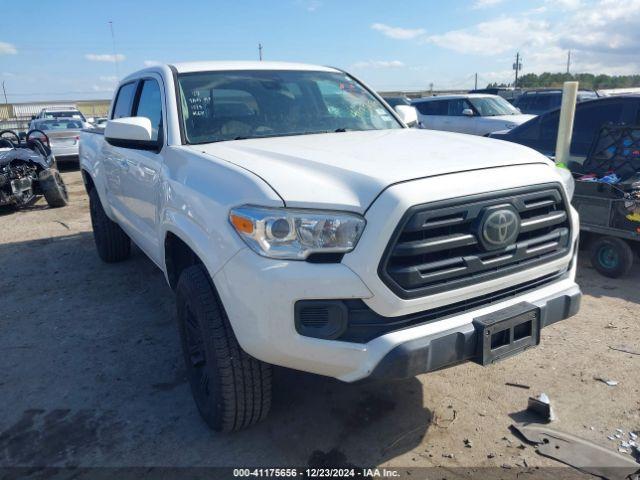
<point x="231" y="389"/>
<point x="54" y="189"/>
<point x="112" y="243"/>
<point x="611" y="256"/>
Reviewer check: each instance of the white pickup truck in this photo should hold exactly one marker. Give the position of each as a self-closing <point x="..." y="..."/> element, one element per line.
<point x="302" y="224"/>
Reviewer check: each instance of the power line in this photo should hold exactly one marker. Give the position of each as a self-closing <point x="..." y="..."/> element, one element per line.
<point x="115" y="55"/>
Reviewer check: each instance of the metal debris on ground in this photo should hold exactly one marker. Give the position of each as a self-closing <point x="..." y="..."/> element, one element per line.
<point x="542" y="406"/>
<point x="624" y="349"/>
<point x="517" y="385"/>
<point x="440" y="422"/>
<point x="468" y="443"/>
<point x="578" y="452"/>
<point x="447" y="455"/>
<point x="611" y="383"/>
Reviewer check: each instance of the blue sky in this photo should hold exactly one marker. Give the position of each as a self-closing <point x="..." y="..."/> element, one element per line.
<point x="63" y="48"/>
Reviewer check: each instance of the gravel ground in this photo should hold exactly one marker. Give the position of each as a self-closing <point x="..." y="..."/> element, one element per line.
<point x="91" y="374"/>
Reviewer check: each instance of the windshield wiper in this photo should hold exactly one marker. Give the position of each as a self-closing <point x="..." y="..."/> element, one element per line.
<point x="340" y="130"/>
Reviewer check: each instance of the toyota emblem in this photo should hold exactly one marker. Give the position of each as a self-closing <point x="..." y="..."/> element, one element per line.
<point x="501" y="228"/>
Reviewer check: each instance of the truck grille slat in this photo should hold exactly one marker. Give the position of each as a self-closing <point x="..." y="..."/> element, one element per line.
<point x="434" y="245"/>
<point x="440" y="246"/>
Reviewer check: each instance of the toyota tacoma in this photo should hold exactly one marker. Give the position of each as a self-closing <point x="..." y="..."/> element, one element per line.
<point x="302" y="224"/>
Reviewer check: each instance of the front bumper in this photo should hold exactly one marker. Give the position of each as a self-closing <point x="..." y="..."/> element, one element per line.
<point x="259" y="295"/>
<point x="440" y="350"/>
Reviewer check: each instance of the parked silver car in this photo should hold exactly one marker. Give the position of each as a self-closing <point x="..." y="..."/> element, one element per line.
<point x="63" y="134"/>
<point x="469" y="113"/>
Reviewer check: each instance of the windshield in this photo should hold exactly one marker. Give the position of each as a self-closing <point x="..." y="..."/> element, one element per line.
<point x="218" y="106"/>
<point x="64" y="114"/>
<point x="58" y="124"/>
<point x="493" y="106"/>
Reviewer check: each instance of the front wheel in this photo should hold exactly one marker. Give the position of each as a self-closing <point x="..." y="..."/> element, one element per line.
<point x="611" y="256"/>
<point x="231" y="389"/>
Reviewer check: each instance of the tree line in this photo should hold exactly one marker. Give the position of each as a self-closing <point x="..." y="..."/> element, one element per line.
<point x="587" y="81"/>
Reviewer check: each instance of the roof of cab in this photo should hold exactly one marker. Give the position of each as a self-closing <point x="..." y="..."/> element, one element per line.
<point x="190" y="67"/>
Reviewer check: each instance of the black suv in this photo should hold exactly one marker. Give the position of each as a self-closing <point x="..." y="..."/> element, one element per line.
<point x="540" y="133"/>
<point x="536" y="102"/>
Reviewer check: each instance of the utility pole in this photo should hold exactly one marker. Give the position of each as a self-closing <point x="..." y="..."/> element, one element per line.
<point x="6" y="102"/>
<point x="476" y="82"/>
<point x="568" y="62"/>
<point x="260" y="51"/>
<point x="113" y="44"/>
<point x="517" y="67"/>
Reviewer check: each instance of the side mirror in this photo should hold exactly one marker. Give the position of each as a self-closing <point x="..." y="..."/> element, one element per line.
<point x="407" y="114"/>
<point x="467" y="112"/>
<point x="131" y="132"/>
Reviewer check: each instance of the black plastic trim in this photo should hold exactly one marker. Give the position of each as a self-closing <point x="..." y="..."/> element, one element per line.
<point x="457" y="345"/>
<point x="364" y="325"/>
<point x="152" y="145"/>
<point x="176" y="86"/>
<point x="401" y="292"/>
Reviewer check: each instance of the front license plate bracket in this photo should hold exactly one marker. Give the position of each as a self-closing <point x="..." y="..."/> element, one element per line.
<point x="507" y="332"/>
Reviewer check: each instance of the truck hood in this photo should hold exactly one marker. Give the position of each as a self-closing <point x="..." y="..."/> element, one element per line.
<point x="348" y="170"/>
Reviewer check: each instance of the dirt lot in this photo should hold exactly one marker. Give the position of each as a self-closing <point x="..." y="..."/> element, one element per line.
<point x="91" y="374"/>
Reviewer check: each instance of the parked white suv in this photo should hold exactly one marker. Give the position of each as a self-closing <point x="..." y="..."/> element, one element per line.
<point x="476" y="114"/>
<point x="302" y="224"/>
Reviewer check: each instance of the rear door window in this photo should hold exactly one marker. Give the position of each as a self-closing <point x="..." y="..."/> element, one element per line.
<point x="150" y="106"/>
<point x="124" y="100"/>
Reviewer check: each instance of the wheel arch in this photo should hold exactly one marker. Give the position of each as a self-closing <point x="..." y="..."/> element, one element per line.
<point x="185" y="244"/>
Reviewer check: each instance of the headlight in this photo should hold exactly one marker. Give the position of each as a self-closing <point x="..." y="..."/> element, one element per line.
<point x="295" y="234"/>
<point x="567" y="181"/>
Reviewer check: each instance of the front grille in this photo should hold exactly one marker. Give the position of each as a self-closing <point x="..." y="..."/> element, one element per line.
<point x="438" y="246"/>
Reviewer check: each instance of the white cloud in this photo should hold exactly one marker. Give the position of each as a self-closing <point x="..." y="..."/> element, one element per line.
<point x="397" y="32"/>
<point x="378" y="64"/>
<point x="604" y="38"/>
<point x="7" y="49"/>
<point x="567" y="4"/>
<point x="104" y="57"/>
<point x="101" y="88"/>
<point x="495" y="36"/>
<point x="309" y="5"/>
<point x="485" y="3"/>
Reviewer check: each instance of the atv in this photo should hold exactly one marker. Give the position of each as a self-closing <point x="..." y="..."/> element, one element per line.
<point x="28" y="169"/>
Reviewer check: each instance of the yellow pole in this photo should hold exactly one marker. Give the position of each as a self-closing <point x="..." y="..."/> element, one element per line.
<point x="565" y="128"/>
